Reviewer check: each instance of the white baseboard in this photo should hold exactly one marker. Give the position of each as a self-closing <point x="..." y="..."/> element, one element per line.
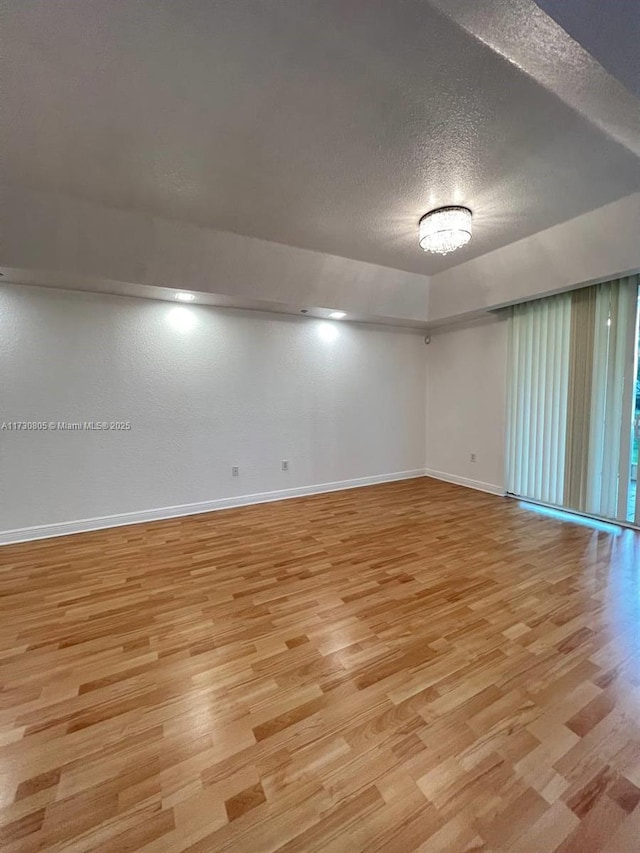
<point x="465" y="481"/>
<point x="64" y="528"/>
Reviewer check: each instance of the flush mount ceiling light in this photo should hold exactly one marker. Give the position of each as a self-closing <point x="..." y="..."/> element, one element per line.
<point x="337" y="315"/>
<point x="444" y="230"/>
<point x="182" y="296"/>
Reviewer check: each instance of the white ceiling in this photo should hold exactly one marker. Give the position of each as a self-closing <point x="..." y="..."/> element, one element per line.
<point x="329" y="125"/>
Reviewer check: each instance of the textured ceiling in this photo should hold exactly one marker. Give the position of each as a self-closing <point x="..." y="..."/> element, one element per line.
<point x="330" y="125"/>
<point x="609" y="31"/>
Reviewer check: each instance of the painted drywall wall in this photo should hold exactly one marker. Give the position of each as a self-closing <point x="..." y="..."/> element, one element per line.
<point x="595" y="247"/>
<point x="87" y="246"/>
<point x="466" y="392"/>
<point x="204" y="389"/>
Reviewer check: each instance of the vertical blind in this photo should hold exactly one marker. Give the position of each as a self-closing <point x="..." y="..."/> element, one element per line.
<point x="570" y="387"/>
<point x="539" y="343"/>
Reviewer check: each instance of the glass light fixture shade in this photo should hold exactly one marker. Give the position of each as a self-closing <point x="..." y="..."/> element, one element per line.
<point x="446" y="229"/>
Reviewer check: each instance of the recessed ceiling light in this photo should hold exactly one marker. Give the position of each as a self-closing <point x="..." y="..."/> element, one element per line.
<point x="444" y="230"/>
<point x="337" y="315"/>
<point x="182" y="296"/>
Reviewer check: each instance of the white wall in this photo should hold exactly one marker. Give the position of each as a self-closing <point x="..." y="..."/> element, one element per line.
<point x="597" y="246"/>
<point x="86" y="246"/>
<point x="339" y="401"/>
<point x="466" y="393"/>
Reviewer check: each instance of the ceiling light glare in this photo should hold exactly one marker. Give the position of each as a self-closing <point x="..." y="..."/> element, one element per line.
<point x="182" y="319"/>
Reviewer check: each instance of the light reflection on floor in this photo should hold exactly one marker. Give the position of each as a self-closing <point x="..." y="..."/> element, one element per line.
<point x="563" y="515"/>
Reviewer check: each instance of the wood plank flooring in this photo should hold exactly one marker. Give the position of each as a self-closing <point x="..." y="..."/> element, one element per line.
<point x="410" y="666"/>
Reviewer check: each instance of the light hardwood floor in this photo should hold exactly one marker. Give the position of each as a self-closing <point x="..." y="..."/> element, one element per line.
<point x="407" y="666"/>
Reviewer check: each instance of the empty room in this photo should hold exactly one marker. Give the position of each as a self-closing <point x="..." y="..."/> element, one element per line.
<point x="319" y="426"/>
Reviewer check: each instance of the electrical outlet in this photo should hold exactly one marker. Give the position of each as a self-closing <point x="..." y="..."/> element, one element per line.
<point x="472" y="458"/>
<point x="285" y="464"/>
<point x="235" y="471"/>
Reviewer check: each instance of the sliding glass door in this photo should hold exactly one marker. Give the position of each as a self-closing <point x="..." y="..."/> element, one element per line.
<point x="633" y="504"/>
<point x="572" y="399"/>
